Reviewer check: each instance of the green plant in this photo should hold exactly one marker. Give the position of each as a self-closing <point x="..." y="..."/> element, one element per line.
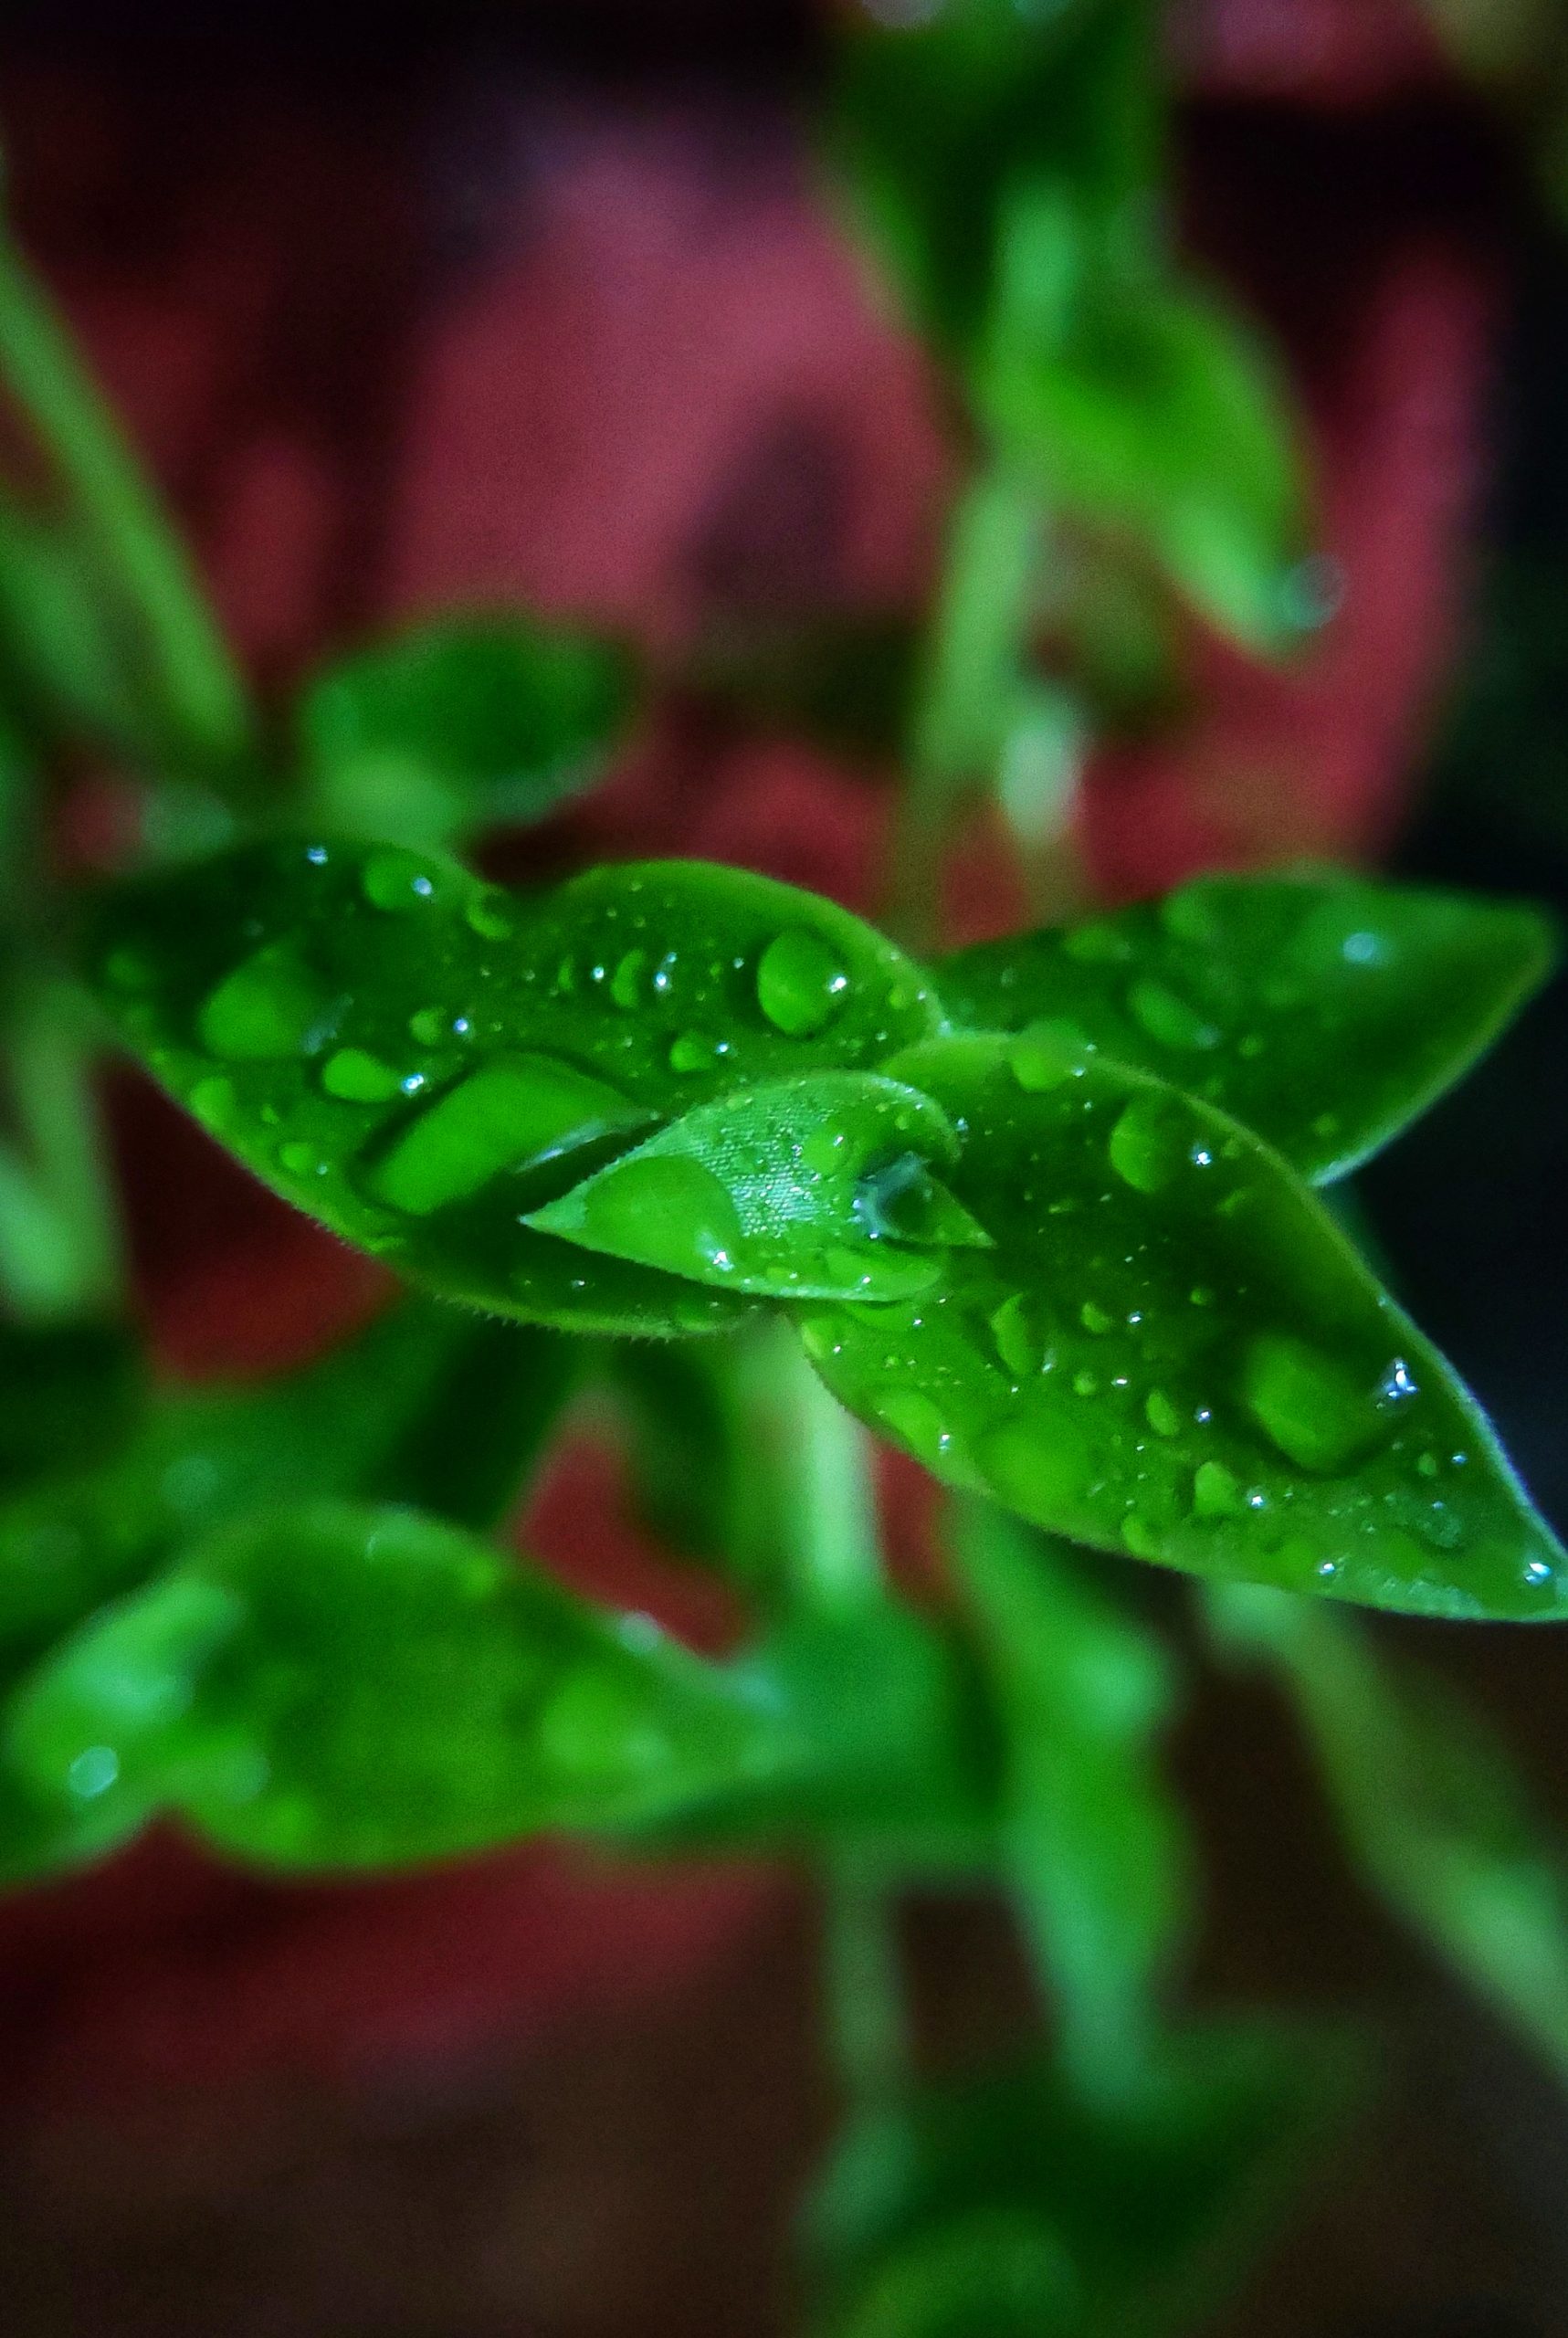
<point x="709" y="1153"/>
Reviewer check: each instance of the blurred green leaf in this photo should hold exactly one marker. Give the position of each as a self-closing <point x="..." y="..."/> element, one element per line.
<point x="1095" y="1841"/>
<point x="1173" y="1350"/>
<point x="69" y="1394"/>
<point x="1324" y="1011"/>
<point x="461" y="725"/>
<point x="1016" y="2208"/>
<point x="346" y="1688"/>
<point x="423" y="1062"/>
<point x="68" y="660"/>
<point x="933" y="118"/>
<point x="1430" y="1803"/>
<point x="1127" y="397"/>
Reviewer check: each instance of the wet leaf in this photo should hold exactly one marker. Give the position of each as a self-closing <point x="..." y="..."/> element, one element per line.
<point x="346" y="1688"/>
<point x="1323" y="1011"/>
<point x="461" y="725"/>
<point x="1094" y="1838"/>
<point x="821" y="1187"/>
<point x="1430" y="1803"/>
<point x="1173" y="1350"/>
<point x="1015" y="2206"/>
<point x="424" y="1062"/>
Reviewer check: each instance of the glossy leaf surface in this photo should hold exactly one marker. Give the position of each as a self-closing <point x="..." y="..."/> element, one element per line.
<point x="1323" y="1011"/>
<point x="357" y="1688"/>
<point x="461" y="725"/>
<point x="1173" y="1350"/>
<point x="821" y="1187"/>
<point x="1015" y="2206"/>
<point x="1430" y="1804"/>
<point x="1093" y="1835"/>
<point x="424" y="1062"/>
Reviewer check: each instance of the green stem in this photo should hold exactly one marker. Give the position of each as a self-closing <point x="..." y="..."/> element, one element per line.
<point x="863" y="1988"/>
<point x="203" y="698"/>
<point x="833" y="1555"/>
<point x="56" y="1110"/>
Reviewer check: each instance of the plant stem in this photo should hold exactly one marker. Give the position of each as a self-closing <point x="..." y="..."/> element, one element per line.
<point x="204" y="700"/>
<point x="863" y="1987"/>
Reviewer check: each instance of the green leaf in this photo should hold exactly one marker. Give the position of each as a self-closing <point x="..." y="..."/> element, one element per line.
<point x="1173" y="1350"/>
<point x="931" y="120"/>
<point x="1095" y="1841"/>
<point x="344" y="1688"/>
<point x="423" y="1062"/>
<point x="1016" y="2208"/>
<point x="819" y="1187"/>
<point x="461" y="725"/>
<point x="1430" y="1803"/>
<point x="68" y="1395"/>
<point x="1137" y="402"/>
<point x="1324" y="1011"/>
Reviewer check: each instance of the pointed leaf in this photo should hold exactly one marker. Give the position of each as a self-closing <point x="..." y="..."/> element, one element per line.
<point x="1015" y="2206"/>
<point x="1323" y="1011"/>
<point x="821" y="1187"/>
<point x="463" y="723"/>
<point x="1173" y="1350"/>
<point x="422" y="1062"/>
<point x="1430" y="1803"/>
<point x="1094" y="1838"/>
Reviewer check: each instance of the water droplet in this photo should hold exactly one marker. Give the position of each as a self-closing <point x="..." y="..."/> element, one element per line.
<point x="1039" y="1468"/>
<point x="1095" y="1319"/>
<point x="93" y="1773"/>
<point x="316" y="854"/>
<point x="398" y="881"/>
<point x="269" y="1008"/>
<point x="693" y="1052"/>
<point x="1201" y="1295"/>
<point x="1085" y="1383"/>
<point x="1046" y="1054"/>
<point x="916" y="1422"/>
<point x="1428" y="1464"/>
<point x="1362" y="949"/>
<point x="1141" y="1536"/>
<point x="490" y="916"/>
<point x="356" y="1078"/>
<point x="900" y="1201"/>
<point x="515" y="1112"/>
<point x="212" y="1101"/>
<point x="802" y="983"/>
<point x="1398" y="1382"/>
<point x="1148" y="1143"/>
<point x="1306" y="1404"/>
<point x="1169" y="1019"/>
<point x="1217" y="1494"/>
<point x="663" y="1210"/>
<point x="301" y="1160"/>
<point x="1018" y="1342"/>
<point x="1101" y="942"/>
<point x="626" y="984"/>
<point x="1161" y="1414"/>
<point x="429" y="1027"/>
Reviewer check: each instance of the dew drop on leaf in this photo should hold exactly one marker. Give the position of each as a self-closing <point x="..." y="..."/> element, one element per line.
<point x="428" y="1027"/>
<point x="518" y="1110"/>
<point x="802" y="983"/>
<point x="1306" y="1404"/>
<point x="1161" y="1414"/>
<point x="1094" y="1318"/>
<point x="490" y="918"/>
<point x="1148" y="1144"/>
<point x="1217" y="1494"/>
<point x="628" y="981"/>
<point x="397" y="880"/>
<point x="267" y="1009"/>
<point x="1048" y="1054"/>
<point x="1168" y="1019"/>
<point x="357" y="1078"/>
<point x="212" y="1101"/>
<point x="692" y="1052"/>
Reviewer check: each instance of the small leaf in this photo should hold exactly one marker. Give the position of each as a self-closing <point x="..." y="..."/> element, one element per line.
<point x="820" y="1187"/>
<point x="461" y="725"/>
<point x="1136" y="402"/>
<point x="423" y="1062"/>
<point x="1015" y="2206"/>
<point x="1094" y="1838"/>
<point x="346" y="1688"/>
<point x="1323" y="1011"/>
<point x="1430" y="1804"/>
<point x="1173" y="1350"/>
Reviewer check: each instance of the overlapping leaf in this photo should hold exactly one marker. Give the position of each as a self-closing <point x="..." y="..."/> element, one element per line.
<point x="425" y="1063"/>
<point x="1322" y="1010"/>
<point x="1171" y="1350"/>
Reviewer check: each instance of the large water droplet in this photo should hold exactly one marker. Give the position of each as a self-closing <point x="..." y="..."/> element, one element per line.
<point x="1169" y="1019"/>
<point x="269" y="1008"/>
<point x="1039" y="1468"/>
<point x="627" y="982"/>
<point x="801" y="982"/>
<point x="398" y="881"/>
<point x="663" y="1210"/>
<point x="900" y="1201"/>
<point x="490" y="917"/>
<point x="1046" y="1054"/>
<point x="916" y="1422"/>
<point x="1308" y="1405"/>
<point x="1216" y="1492"/>
<point x="692" y="1051"/>
<point x="1096" y="1318"/>
<point x="1148" y="1143"/>
<point x="514" y="1113"/>
<point x="357" y="1078"/>
<point x="1160" y="1414"/>
<point x="1020" y="1344"/>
